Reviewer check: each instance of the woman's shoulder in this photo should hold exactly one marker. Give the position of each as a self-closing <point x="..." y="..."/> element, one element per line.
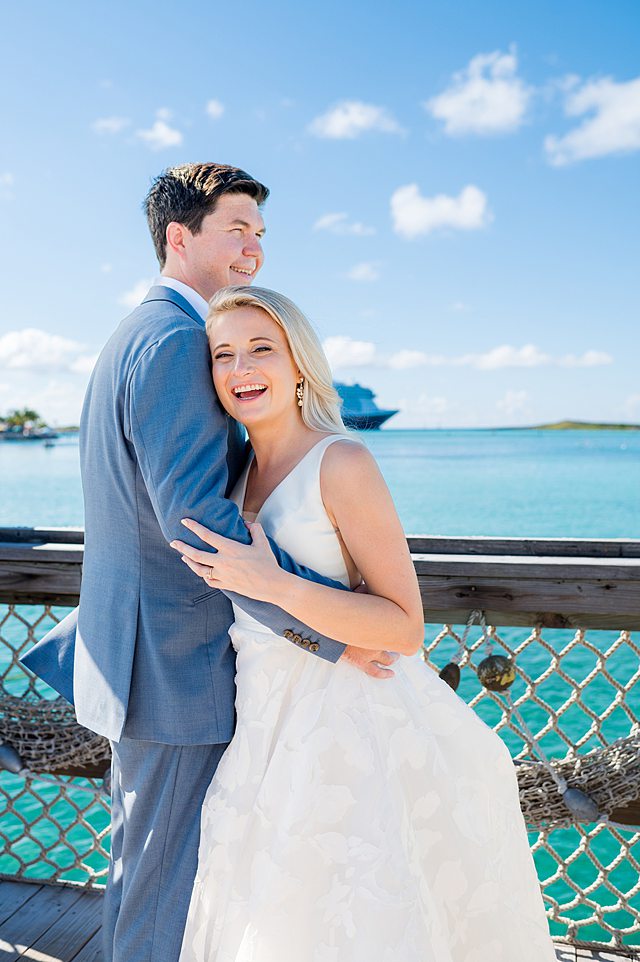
<point x="346" y="460"/>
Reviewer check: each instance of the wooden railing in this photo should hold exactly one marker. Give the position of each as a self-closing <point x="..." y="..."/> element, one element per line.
<point x="555" y="583"/>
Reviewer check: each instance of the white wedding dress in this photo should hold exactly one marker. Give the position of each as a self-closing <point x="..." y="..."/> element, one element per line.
<point x="353" y="819"/>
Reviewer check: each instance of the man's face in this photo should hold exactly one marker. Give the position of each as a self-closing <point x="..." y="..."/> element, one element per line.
<point x="227" y="249"/>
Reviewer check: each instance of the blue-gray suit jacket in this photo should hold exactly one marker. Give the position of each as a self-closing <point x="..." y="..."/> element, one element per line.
<point x="149" y="644"/>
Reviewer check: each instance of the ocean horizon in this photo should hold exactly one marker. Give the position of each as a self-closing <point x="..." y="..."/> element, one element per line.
<point x="519" y="482"/>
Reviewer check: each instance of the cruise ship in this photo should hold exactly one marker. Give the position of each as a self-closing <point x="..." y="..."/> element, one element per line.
<point x="359" y="410"/>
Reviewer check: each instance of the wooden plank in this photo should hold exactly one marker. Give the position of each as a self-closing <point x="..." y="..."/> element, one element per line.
<point x="66" y="535"/>
<point x="42" y="552"/>
<point x="72" y="550"/>
<point x="531" y="547"/>
<point x="91" y="952"/>
<point x="23" y="583"/>
<point x="71" y="932"/>
<point x="516" y="568"/>
<point x="536" y="596"/>
<point x="515" y="589"/>
<point x="564" y="952"/>
<point x="95" y="770"/>
<point x="13" y="895"/>
<point x="593" y="954"/>
<point x="629" y="815"/>
<point x="437" y="544"/>
<point x="526" y="619"/>
<point x="31" y="921"/>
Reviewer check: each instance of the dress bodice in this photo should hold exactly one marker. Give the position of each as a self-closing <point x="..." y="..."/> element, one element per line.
<point x="294" y="515"/>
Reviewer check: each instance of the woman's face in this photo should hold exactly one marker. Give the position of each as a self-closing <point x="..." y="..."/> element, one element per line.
<point x="253" y="370"/>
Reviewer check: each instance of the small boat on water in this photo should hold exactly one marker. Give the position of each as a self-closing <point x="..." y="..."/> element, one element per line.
<point x="359" y="409"/>
<point x="19" y="432"/>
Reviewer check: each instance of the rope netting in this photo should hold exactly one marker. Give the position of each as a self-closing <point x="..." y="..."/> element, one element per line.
<point x="569" y="718"/>
<point x="52" y="827"/>
<point x="571" y="691"/>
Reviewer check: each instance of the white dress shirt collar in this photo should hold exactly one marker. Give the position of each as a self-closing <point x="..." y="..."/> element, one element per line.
<point x="196" y="300"/>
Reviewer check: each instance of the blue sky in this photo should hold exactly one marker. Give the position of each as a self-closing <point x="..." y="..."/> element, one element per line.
<point x="454" y="189"/>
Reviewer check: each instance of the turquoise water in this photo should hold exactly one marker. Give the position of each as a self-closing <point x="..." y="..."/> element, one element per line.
<point x="582" y="484"/>
<point x="511" y="483"/>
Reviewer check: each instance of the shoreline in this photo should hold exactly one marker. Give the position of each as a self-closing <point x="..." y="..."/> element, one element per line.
<point x="71" y="432"/>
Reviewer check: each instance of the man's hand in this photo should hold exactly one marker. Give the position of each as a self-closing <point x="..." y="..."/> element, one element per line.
<point x="370" y="662"/>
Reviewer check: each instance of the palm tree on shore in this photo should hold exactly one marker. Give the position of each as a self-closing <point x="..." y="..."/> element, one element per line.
<point x="23" y="418"/>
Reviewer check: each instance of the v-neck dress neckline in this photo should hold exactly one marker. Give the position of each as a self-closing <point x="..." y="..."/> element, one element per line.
<point x="242" y="492"/>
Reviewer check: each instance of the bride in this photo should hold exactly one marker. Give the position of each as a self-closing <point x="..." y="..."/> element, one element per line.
<point x="350" y="819"/>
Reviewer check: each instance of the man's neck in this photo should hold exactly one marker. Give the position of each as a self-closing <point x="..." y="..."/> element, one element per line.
<point x="196" y="300"/>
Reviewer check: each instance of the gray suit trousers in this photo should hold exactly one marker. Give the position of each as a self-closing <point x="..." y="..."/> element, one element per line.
<point x="157" y="796"/>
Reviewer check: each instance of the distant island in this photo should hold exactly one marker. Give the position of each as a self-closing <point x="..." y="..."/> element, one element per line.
<point x="583" y="426"/>
<point x="25" y="424"/>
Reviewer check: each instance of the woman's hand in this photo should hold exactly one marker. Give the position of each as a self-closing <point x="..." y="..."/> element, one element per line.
<point x="248" y="569"/>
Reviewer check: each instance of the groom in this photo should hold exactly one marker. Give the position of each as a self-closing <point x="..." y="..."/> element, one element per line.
<point x="153" y="667"/>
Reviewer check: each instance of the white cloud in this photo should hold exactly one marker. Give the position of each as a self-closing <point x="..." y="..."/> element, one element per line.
<point x="402" y="360"/>
<point x="84" y="364"/>
<point x="613" y="128"/>
<point x="339" y="224"/>
<point x="350" y="118"/>
<point x="36" y="350"/>
<point x="514" y="402"/>
<point x="529" y="355"/>
<point x="505" y="356"/>
<point x="365" y="271"/>
<point x="160" y="135"/>
<point x="414" y="215"/>
<point x="58" y="401"/>
<point x="215" y="109"/>
<point x="588" y="359"/>
<point x="133" y="297"/>
<point x="110" y="125"/>
<point x="487" y="97"/>
<point x="345" y="352"/>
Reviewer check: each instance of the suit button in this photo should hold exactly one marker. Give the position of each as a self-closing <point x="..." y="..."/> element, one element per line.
<point x="314" y="646"/>
<point x="296" y="639"/>
<point x="305" y="642"/>
<point x="288" y="634"/>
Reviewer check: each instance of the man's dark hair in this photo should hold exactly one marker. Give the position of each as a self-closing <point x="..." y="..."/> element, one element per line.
<point x="186" y="194"/>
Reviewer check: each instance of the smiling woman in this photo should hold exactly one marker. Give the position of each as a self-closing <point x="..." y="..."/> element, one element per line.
<point x="265" y="352"/>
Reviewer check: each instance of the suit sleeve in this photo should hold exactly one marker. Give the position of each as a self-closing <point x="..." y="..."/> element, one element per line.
<point x="179" y="433"/>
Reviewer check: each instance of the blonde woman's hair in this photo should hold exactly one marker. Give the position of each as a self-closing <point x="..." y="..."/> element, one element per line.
<point x="321" y="402"/>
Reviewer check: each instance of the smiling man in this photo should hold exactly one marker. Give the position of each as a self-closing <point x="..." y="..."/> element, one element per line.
<point x="211" y="246"/>
<point x="148" y="650"/>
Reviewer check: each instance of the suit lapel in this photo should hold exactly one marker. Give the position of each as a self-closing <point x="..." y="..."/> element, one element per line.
<point x="161" y="293"/>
